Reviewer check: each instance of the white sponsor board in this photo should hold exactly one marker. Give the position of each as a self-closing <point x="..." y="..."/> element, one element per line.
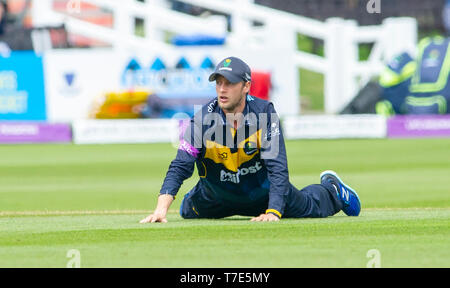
<point x="167" y="130"/>
<point x="335" y="126"/>
<point x="75" y="79"/>
<point x="125" y="131"/>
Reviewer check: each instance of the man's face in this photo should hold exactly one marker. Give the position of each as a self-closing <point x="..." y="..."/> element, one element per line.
<point x="231" y="95"/>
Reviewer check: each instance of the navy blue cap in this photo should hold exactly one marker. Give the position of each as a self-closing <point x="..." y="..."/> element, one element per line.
<point x="234" y="69"/>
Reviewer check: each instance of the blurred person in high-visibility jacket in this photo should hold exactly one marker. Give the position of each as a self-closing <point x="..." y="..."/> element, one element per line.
<point x="3" y="12"/>
<point x="4" y="48"/>
<point x="446" y="17"/>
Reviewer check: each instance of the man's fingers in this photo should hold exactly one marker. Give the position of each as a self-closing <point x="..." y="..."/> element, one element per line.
<point x="153" y="219"/>
<point x="159" y="219"/>
<point x="257" y="219"/>
<point x="145" y="220"/>
<point x="149" y="219"/>
<point x="264" y="218"/>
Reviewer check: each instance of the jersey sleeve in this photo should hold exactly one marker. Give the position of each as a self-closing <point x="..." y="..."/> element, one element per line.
<point x="182" y="167"/>
<point x="273" y="154"/>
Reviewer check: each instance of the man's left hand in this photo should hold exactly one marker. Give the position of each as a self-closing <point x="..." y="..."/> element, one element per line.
<point x="265" y="217"/>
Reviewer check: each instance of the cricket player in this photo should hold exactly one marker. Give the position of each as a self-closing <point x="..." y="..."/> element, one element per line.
<point x="237" y="144"/>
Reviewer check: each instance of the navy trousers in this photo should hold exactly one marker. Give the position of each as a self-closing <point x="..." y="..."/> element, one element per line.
<point x="313" y="201"/>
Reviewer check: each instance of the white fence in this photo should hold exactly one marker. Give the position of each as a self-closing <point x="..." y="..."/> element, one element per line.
<point x="344" y="72"/>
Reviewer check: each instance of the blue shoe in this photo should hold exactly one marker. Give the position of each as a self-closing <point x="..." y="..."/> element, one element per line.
<point x="352" y="204"/>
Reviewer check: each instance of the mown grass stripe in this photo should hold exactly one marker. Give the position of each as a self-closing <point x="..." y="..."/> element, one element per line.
<point x="171" y="211"/>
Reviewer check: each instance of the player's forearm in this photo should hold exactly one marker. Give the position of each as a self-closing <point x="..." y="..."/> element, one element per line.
<point x="164" y="202"/>
<point x="180" y="169"/>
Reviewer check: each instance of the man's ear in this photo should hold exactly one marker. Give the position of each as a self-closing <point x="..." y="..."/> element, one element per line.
<point x="247" y="86"/>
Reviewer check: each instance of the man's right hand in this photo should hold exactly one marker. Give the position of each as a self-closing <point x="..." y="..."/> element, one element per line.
<point x="159" y="215"/>
<point x="155" y="217"/>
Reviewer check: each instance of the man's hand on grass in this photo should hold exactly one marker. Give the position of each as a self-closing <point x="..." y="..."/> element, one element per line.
<point x="265" y="218"/>
<point x="159" y="215"/>
<point x="155" y="217"/>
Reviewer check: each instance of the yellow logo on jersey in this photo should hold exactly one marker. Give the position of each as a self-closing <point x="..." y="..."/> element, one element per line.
<point x="247" y="150"/>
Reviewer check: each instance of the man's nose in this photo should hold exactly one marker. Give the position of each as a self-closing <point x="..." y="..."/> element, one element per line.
<point x="221" y="87"/>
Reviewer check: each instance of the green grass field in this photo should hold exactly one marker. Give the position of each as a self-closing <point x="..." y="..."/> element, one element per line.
<point x="54" y="198"/>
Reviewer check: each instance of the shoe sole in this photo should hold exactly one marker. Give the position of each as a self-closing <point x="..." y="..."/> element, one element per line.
<point x="343" y="183"/>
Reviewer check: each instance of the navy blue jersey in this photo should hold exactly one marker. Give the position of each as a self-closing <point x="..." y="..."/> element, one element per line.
<point x="236" y="166"/>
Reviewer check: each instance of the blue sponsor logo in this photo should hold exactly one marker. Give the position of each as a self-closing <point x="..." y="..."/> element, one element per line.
<point x="69" y="77"/>
<point x="22" y="93"/>
<point x="183" y="77"/>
